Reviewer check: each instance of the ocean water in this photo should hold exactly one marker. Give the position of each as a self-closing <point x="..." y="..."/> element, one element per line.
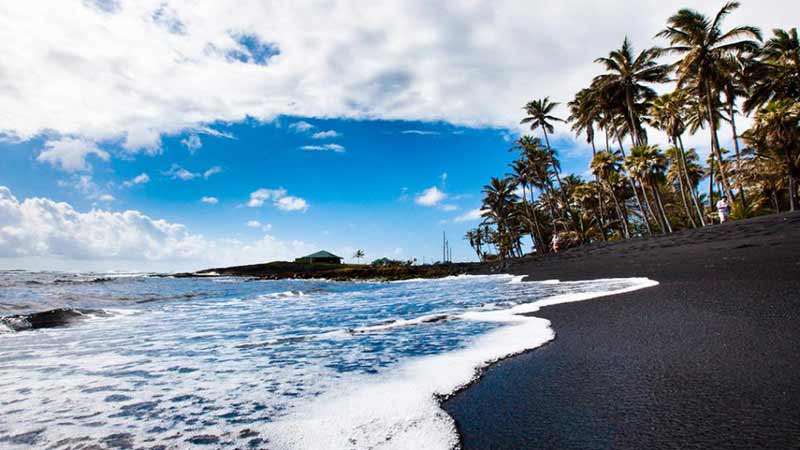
<point x="139" y="361"/>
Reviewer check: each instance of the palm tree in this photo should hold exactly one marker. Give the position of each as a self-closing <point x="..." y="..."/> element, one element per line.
<point x="669" y="113"/>
<point x="475" y="238"/>
<point x="776" y="136"/>
<point x="775" y="74"/>
<point x="606" y="166"/>
<point x="675" y="176"/>
<point x="647" y="164"/>
<point x="625" y="78"/>
<point x="584" y="111"/>
<point x="520" y="176"/>
<point x="358" y="255"/>
<point x="539" y="116"/>
<point x="703" y="46"/>
<point x="498" y="206"/>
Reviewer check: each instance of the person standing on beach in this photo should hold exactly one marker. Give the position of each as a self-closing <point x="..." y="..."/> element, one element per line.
<point x="723" y="209"/>
<point x="556" y="243"/>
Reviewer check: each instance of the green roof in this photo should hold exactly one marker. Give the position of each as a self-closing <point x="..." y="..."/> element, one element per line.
<point x="321" y="254"/>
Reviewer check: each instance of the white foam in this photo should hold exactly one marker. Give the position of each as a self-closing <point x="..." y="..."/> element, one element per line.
<point x="399" y="410"/>
<point x="399" y="323"/>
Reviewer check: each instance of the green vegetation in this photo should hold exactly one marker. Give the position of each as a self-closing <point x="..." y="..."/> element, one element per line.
<point x="644" y="189"/>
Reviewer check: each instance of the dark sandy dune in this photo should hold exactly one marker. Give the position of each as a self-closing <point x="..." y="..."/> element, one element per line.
<point x="709" y="359"/>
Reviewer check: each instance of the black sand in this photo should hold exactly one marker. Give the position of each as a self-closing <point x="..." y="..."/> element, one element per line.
<point x="709" y="359"/>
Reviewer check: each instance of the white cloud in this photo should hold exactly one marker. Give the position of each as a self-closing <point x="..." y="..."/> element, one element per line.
<point x="328" y="134"/>
<point x="469" y="216"/>
<point x="192" y="143"/>
<point x="290" y="203"/>
<point x="142" y="178"/>
<point x="301" y="126"/>
<point x="430" y="197"/>
<point x="143" y="69"/>
<point x="279" y="199"/>
<point x="69" y="154"/>
<point x="420" y="132"/>
<point x="179" y="173"/>
<point x="336" y="148"/>
<point x="86" y="186"/>
<point x="449" y="208"/>
<point x="258" y="225"/>
<point x="212" y="171"/>
<point x="210" y="200"/>
<point x="40" y="232"/>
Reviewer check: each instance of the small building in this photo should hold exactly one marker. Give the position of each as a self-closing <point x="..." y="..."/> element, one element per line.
<point x="320" y="257"/>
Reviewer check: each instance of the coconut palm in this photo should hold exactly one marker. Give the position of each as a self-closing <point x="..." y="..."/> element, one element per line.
<point x="358" y="255"/>
<point x="539" y="115"/>
<point x="775" y="136"/>
<point x="606" y="166"/>
<point x="703" y="47"/>
<point x="647" y="164"/>
<point x="520" y="176"/>
<point x="625" y="80"/>
<point x="775" y="74"/>
<point x="584" y="112"/>
<point x="669" y="113"/>
<point x="499" y="210"/>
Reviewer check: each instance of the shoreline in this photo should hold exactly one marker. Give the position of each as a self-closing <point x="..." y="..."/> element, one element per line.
<point x="702" y="360"/>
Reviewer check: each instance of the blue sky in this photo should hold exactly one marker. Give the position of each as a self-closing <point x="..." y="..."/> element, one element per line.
<point x="361" y="196"/>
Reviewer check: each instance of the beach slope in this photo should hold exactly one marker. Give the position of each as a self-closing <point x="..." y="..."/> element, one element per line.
<point x="708" y="359"/>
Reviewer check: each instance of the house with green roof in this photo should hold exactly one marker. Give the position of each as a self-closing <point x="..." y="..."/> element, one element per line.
<point x="320" y="257"/>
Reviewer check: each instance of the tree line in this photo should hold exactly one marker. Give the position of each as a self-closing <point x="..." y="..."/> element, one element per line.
<point x="642" y="189"/>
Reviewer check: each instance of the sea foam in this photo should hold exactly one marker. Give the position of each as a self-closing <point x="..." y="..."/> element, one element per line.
<point x="400" y="410"/>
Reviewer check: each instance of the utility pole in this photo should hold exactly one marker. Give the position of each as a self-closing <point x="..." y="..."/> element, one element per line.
<point x="444" y="247"/>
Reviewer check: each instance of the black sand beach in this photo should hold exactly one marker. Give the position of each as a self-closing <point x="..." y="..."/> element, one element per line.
<point x="710" y="358"/>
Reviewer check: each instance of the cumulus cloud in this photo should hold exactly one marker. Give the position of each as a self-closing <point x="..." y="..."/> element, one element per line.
<point x="301" y="126"/>
<point x="336" y="148"/>
<point x="430" y="197"/>
<point x="69" y="154"/>
<point x="106" y="198"/>
<point x="258" y="225"/>
<point x="40" y="229"/>
<point x="176" y="172"/>
<point x="279" y="199"/>
<point x="192" y="143"/>
<point x="212" y="171"/>
<point x="142" y="178"/>
<point x="328" y="134"/>
<point x="469" y="216"/>
<point x="179" y="173"/>
<point x="210" y="200"/>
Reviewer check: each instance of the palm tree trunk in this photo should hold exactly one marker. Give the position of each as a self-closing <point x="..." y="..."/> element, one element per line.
<point x="650" y="209"/>
<point x="681" y="172"/>
<point x="712" y="124"/>
<point x="637" y="140"/>
<point x="689" y="185"/>
<point x="622" y="219"/>
<point x="661" y="207"/>
<point x="552" y="162"/>
<point x="732" y="112"/>
<point x="632" y="184"/>
<point x="532" y="222"/>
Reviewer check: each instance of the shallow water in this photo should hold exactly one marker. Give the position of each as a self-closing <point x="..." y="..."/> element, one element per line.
<point x="150" y="362"/>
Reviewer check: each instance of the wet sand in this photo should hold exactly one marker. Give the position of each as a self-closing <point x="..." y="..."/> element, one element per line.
<point x="709" y="359"/>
